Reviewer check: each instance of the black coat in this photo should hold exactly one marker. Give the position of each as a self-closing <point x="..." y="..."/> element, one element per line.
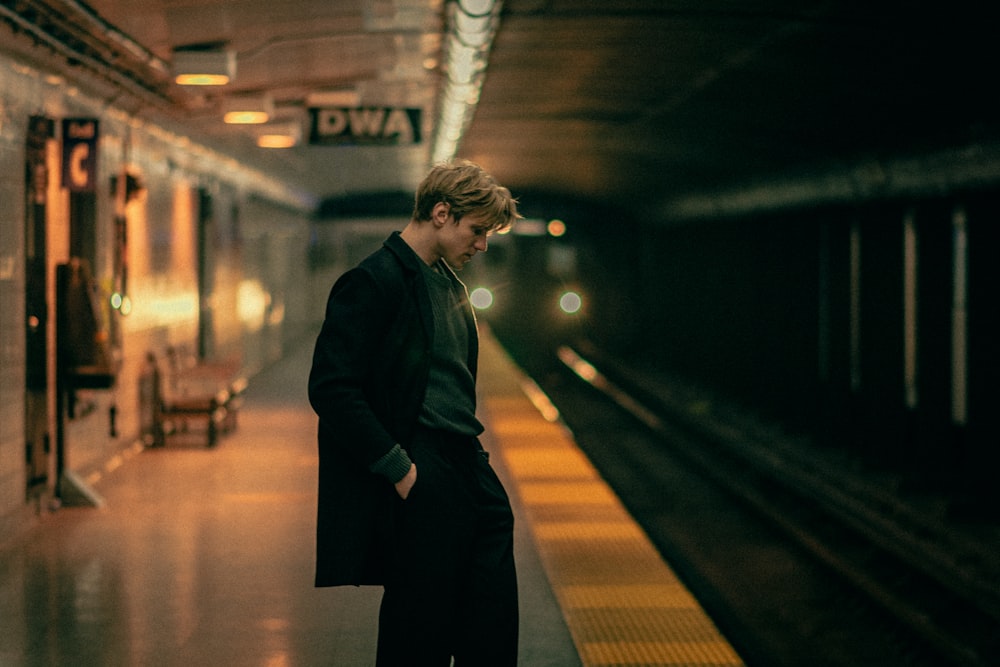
<point x="367" y="384"/>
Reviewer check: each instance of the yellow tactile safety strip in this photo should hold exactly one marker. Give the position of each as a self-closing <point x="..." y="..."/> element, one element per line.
<point x="622" y="603"/>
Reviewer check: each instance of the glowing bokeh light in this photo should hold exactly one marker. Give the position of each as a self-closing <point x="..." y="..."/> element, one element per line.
<point x="481" y="298"/>
<point x="251" y="304"/>
<point x="570" y="302"/>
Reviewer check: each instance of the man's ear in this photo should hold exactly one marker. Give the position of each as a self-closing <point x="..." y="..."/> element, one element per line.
<point x="440" y="212"/>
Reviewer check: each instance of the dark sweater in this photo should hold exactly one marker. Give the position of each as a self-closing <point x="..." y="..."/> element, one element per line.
<point x="450" y="404"/>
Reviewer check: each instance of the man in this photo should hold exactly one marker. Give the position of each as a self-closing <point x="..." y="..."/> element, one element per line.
<point x="407" y="498"/>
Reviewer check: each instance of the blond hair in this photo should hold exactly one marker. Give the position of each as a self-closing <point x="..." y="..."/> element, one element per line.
<point x="466" y="188"/>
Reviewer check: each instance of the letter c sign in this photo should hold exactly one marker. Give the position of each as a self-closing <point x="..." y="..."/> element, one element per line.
<point x="79" y="155"/>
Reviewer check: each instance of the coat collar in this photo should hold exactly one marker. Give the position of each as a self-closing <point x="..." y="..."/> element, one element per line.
<point x="411" y="262"/>
<point x="407" y="256"/>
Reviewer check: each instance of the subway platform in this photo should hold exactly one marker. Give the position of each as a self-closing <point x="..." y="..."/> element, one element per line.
<point x="199" y="557"/>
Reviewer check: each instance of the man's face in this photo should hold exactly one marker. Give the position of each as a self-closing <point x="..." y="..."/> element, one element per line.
<point x="459" y="242"/>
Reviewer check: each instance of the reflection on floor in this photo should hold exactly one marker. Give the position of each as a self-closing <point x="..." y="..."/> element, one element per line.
<point x="205" y="557"/>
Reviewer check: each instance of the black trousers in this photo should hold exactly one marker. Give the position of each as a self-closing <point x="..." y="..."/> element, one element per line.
<point x="452" y="588"/>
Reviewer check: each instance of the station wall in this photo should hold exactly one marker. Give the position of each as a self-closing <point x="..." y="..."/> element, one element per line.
<point x="194" y="251"/>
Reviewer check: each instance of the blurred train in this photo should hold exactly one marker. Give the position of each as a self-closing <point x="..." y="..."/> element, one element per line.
<point x="529" y="275"/>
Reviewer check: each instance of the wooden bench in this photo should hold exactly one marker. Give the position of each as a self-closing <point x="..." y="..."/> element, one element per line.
<point x="175" y="392"/>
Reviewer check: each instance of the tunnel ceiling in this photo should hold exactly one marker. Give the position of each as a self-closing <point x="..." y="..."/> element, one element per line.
<point x="635" y="103"/>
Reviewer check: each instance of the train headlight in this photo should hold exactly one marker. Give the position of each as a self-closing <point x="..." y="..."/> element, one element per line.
<point x="570" y="302"/>
<point x="481" y="298"/>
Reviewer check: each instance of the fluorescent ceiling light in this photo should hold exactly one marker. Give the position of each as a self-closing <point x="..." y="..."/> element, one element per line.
<point x="204" y="68"/>
<point x="477" y="7"/>
<point x="279" y="135"/>
<point x="472" y="25"/>
<point x="247" y="110"/>
<point x="473" y="30"/>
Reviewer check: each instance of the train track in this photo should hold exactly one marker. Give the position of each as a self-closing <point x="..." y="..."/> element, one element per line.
<point x="796" y="564"/>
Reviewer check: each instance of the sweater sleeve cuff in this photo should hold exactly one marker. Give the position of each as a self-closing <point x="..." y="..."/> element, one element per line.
<point x="393" y="465"/>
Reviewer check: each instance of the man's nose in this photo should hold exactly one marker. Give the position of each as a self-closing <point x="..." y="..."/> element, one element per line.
<point x="481" y="245"/>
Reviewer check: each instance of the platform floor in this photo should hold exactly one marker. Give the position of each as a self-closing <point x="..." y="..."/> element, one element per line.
<point x="205" y="556"/>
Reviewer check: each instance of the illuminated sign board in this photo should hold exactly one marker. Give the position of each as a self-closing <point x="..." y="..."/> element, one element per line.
<point x="365" y="126"/>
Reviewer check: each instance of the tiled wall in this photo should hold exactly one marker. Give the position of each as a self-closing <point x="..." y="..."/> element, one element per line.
<point x="14" y="110"/>
<point x="256" y="247"/>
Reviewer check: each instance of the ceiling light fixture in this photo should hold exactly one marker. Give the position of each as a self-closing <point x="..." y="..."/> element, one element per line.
<point x="247" y="109"/>
<point x="204" y="67"/>
<point x="279" y="135"/>
<point x="472" y="25"/>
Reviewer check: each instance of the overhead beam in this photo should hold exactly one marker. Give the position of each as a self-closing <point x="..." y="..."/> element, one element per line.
<point x="970" y="167"/>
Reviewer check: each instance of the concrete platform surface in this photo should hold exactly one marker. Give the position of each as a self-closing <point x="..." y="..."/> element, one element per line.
<point x="205" y="557"/>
